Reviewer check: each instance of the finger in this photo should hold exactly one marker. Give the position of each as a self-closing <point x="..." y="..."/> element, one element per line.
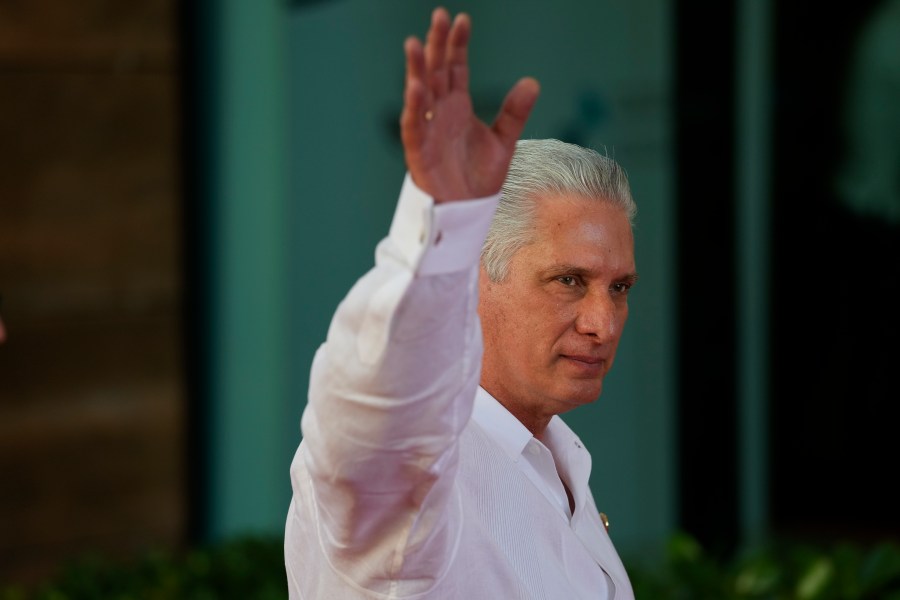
<point x="414" y="93"/>
<point x="436" y="41"/>
<point x="517" y="105"/>
<point x="412" y="120"/>
<point x="415" y="87"/>
<point x="415" y="60"/>
<point x="416" y="97"/>
<point x="415" y="74"/>
<point x="435" y="51"/>
<point x="458" y="53"/>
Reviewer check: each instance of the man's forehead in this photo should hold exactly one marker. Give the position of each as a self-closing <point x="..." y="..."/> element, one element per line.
<point x="581" y="235"/>
<point x="561" y="213"/>
<point x="549" y="205"/>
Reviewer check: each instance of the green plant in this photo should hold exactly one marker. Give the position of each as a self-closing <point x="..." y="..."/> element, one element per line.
<point x="777" y="570"/>
<point x="252" y="568"/>
<point x="247" y="568"/>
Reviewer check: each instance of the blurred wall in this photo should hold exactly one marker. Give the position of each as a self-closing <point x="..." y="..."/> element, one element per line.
<point x="91" y="384"/>
<point x="298" y="163"/>
<point x="241" y="59"/>
<point x="836" y="273"/>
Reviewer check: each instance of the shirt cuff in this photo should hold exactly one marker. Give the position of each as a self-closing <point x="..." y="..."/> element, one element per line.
<point x="440" y="238"/>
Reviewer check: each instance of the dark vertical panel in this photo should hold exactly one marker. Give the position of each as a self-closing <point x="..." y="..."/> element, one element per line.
<point x="197" y="24"/>
<point x="704" y="144"/>
<point x="835" y="297"/>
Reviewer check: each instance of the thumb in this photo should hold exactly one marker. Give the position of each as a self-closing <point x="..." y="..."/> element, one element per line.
<point x="516" y="108"/>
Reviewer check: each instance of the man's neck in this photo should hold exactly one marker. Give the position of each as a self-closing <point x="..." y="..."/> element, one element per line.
<point x="535" y="423"/>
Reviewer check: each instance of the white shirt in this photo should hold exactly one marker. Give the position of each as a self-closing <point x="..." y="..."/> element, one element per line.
<point x="411" y="481"/>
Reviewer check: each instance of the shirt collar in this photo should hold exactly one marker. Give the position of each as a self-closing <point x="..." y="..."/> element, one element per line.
<point x="500" y="424"/>
<point x="511" y="434"/>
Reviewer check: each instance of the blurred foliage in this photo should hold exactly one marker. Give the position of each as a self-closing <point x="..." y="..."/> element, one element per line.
<point x="253" y="569"/>
<point x="247" y="568"/>
<point x="777" y="570"/>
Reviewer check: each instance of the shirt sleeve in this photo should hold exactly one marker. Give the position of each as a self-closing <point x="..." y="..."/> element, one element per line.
<point x="390" y="391"/>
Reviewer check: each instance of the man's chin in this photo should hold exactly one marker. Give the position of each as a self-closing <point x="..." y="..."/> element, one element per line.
<point x="582" y="392"/>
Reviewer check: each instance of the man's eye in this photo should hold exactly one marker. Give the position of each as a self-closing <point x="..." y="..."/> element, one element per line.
<point x="567" y="280"/>
<point x="621" y="288"/>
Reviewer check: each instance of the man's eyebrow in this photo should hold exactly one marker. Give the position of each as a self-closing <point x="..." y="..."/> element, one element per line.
<point x="564" y="269"/>
<point x="631" y="278"/>
<point x="569" y="269"/>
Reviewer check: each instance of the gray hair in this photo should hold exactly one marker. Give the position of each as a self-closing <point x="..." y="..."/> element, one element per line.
<point x="548" y="167"/>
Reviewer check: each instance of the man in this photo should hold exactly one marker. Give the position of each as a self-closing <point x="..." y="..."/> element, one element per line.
<point x="433" y="463"/>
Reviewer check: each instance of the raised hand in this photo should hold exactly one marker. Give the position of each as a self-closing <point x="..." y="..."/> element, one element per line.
<point x="450" y="153"/>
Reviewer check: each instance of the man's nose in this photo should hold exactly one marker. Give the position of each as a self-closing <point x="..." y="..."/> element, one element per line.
<point x="599" y="316"/>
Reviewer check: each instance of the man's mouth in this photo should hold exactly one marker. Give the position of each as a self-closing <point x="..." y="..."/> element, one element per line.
<point x="591" y="360"/>
<point x="587" y="365"/>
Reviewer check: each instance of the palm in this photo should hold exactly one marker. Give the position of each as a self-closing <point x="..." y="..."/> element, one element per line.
<point x="460" y="152"/>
